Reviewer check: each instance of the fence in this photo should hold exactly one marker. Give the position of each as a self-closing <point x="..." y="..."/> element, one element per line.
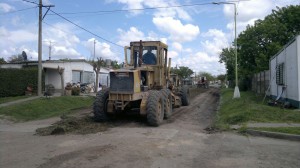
<point x="261" y="82"/>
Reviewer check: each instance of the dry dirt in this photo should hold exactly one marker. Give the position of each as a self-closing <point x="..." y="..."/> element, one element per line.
<point x="181" y="141"/>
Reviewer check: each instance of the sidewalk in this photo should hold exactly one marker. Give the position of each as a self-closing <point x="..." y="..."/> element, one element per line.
<point x="19" y="101"/>
<point x="251" y="130"/>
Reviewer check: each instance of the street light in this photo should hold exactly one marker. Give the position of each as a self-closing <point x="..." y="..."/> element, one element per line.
<point x="236" y="93"/>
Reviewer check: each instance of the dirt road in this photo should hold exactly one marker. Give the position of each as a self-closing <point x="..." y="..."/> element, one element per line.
<point x="179" y="142"/>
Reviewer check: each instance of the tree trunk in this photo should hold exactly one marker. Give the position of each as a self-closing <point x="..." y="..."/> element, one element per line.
<point x="97" y="80"/>
<point x="61" y="73"/>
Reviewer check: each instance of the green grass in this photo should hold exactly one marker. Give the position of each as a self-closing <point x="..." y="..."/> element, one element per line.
<point x="44" y="108"/>
<point x="9" y="99"/>
<point x="287" y="130"/>
<point x="250" y="108"/>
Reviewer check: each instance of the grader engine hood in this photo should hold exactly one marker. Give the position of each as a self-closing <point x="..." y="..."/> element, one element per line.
<point x="124" y="82"/>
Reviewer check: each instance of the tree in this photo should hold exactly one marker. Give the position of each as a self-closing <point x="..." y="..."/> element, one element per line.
<point x="97" y="67"/>
<point x="208" y="76"/>
<point x="221" y="77"/>
<point x="16" y="58"/>
<point x="2" y="61"/>
<point x="183" y="72"/>
<point x="115" y="65"/>
<point x="227" y="56"/>
<point x="258" y="43"/>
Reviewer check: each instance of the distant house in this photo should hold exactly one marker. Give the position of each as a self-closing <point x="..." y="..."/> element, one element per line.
<point x="285" y="73"/>
<point x="75" y="71"/>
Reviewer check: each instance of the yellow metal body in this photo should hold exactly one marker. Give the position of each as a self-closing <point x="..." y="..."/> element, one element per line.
<point x="145" y="77"/>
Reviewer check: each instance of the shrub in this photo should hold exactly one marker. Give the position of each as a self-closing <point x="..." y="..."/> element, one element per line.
<point x="75" y="91"/>
<point x="14" y="82"/>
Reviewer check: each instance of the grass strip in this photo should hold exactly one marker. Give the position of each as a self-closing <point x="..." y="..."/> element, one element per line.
<point x="287" y="130"/>
<point x="45" y="107"/>
<point x="250" y="108"/>
<point x="9" y="99"/>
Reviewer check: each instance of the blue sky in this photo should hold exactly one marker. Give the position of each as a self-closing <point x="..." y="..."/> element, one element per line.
<point x="195" y="34"/>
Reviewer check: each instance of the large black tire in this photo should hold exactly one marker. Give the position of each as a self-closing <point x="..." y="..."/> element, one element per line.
<point x="155" y="108"/>
<point x="167" y="98"/>
<point x="184" y="94"/>
<point x="100" y="106"/>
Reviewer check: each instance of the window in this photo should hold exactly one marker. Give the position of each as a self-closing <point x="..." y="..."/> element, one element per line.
<point x="280" y="74"/>
<point x="149" y="55"/>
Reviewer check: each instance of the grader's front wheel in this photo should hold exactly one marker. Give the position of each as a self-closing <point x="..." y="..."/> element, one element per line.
<point x="155" y="108"/>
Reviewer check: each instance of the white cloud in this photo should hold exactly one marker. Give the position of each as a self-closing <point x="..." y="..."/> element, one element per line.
<point x="172" y="54"/>
<point x="249" y="11"/>
<point x="216" y="41"/>
<point x="102" y="50"/>
<point x="133" y="34"/>
<point x="4" y="7"/>
<point x="59" y="52"/>
<point x="200" y="62"/>
<point x="16" y="36"/>
<point x="160" y="12"/>
<point x="178" y="32"/>
<point x="177" y="46"/>
<point x="64" y="41"/>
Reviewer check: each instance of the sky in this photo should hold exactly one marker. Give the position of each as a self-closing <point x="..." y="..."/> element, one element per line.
<point x="194" y="30"/>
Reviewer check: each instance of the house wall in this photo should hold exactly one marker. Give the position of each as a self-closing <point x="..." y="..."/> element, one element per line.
<point x="52" y="77"/>
<point x="290" y="57"/>
<point x="69" y="67"/>
<point x="15" y="66"/>
<point x="104" y="78"/>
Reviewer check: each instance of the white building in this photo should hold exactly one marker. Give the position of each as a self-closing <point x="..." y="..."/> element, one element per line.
<point x="285" y="73"/>
<point x="75" y="71"/>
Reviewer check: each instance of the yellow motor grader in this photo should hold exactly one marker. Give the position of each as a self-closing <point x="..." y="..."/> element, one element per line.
<point x="143" y="85"/>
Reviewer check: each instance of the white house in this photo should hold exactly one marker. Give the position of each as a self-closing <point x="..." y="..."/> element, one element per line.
<point x="285" y="73"/>
<point x="75" y="71"/>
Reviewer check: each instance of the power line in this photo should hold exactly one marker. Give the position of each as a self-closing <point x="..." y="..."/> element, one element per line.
<point x="114" y="50"/>
<point x="20" y="10"/>
<point x="31" y="2"/>
<point x="138" y="9"/>
<point x="86" y="29"/>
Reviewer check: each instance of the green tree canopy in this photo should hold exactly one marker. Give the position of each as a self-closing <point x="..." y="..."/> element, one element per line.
<point x="208" y="75"/>
<point x="2" y="61"/>
<point x="183" y="72"/>
<point x="258" y="43"/>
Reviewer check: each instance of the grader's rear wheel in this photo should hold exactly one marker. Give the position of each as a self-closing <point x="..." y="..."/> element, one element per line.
<point x="184" y="94"/>
<point x="167" y="103"/>
<point x="155" y="108"/>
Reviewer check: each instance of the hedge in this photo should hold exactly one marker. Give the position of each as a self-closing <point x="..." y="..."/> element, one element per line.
<point x="15" y="81"/>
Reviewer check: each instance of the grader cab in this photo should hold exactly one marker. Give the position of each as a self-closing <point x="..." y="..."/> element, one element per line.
<point x="143" y="85"/>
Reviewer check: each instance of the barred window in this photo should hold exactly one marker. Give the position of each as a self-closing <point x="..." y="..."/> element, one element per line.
<point x="280" y="74"/>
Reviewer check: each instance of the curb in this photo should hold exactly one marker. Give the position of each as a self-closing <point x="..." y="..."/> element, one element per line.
<point x="290" y="137"/>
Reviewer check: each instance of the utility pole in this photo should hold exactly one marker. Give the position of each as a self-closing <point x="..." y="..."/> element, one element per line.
<point x="50" y="47"/>
<point x="236" y="93"/>
<point x="41" y="17"/>
<point x="40" y="50"/>
<point x="94" y="49"/>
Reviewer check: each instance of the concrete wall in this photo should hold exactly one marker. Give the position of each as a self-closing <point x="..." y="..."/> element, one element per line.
<point x="69" y="67"/>
<point x="52" y="76"/>
<point x="290" y="56"/>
